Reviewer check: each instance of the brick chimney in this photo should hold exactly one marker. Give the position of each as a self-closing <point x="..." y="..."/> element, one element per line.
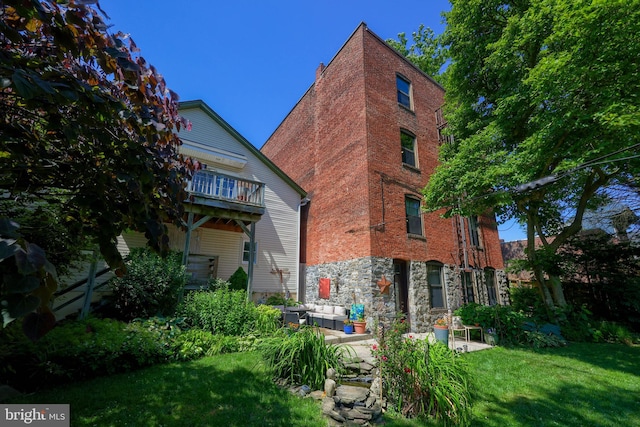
<point x="319" y="71"/>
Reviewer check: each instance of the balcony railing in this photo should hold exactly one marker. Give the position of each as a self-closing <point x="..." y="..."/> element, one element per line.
<point x="216" y="185"/>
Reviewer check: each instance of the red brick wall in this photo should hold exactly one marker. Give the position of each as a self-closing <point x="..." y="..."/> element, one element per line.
<point x="341" y="143"/>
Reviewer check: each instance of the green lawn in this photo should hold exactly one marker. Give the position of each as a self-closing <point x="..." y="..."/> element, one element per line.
<point x="580" y="385"/>
<point x="228" y="390"/>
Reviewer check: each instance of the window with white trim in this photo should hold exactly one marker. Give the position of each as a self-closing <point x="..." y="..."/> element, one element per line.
<point x="404" y="91"/>
<point x="245" y="252"/>
<point x="408" y="142"/>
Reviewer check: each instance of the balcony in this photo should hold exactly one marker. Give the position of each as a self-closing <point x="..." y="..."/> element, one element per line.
<point x="225" y="196"/>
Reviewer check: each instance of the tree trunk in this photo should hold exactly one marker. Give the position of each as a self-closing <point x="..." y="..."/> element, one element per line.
<point x="558" y="292"/>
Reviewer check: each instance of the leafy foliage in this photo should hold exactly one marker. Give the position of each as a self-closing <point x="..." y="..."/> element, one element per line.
<point x="506" y="322"/>
<point x="151" y="286"/>
<point x="279" y="299"/>
<point x="84" y="349"/>
<point x="603" y="275"/>
<point x="28" y="282"/>
<point x="426" y="51"/>
<point x="303" y="357"/>
<point x="423" y="380"/>
<point x="540" y="92"/>
<point x="268" y="319"/>
<point x="223" y="311"/>
<point x="238" y="280"/>
<point x="46" y="224"/>
<point x="87" y="123"/>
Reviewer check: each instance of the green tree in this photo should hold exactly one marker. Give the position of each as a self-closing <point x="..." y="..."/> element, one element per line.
<point x="86" y="123"/>
<point x="426" y="52"/>
<point x="543" y="92"/>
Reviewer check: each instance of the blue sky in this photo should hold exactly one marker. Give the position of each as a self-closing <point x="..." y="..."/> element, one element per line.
<point x="252" y="60"/>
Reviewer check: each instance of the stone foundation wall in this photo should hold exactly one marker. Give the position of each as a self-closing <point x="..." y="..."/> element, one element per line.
<point x="504" y="297"/>
<point x="355" y="281"/>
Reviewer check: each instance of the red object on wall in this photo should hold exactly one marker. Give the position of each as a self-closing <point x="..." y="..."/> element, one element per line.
<point x="325" y="288"/>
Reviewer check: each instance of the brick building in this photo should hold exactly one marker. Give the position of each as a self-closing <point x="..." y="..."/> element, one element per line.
<point x="363" y="141"/>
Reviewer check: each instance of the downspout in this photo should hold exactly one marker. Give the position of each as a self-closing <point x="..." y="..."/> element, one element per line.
<point x="252" y="255"/>
<point x="301" y="280"/>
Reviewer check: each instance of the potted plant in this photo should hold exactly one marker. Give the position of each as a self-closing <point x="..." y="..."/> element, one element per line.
<point x="441" y="330"/>
<point x="348" y="326"/>
<point x="360" y="325"/>
<point x="491" y="336"/>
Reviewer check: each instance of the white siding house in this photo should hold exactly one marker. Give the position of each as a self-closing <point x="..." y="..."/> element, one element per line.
<point x="234" y="169"/>
<point x="237" y="190"/>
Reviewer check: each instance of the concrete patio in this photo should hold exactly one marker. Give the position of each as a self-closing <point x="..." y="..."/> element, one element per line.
<point x="361" y="343"/>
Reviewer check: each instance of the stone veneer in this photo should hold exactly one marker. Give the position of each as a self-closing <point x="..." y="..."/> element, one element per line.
<point x="355" y="281"/>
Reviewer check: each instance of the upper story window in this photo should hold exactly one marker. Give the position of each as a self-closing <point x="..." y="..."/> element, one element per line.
<point x="414" y="218"/>
<point x="404" y="91"/>
<point x="408" y="142"/>
<point x="474" y="236"/>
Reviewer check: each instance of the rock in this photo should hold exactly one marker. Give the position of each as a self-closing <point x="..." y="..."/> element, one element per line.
<point x="329" y="387"/>
<point x="371" y="400"/>
<point x="304" y="390"/>
<point x="336" y="416"/>
<point x="375" y="387"/>
<point x="350" y="394"/>
<point x="366" y="367"/>
<point x="317" y="395"/>
<point x="328" y="405"/>
<point x="331" y="374"/>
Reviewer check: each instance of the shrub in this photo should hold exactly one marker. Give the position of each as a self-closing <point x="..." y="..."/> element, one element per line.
<point x="503" y="319"/>
<point x="420" y="379"/>
<point x="613" y="332"/>
<point x="238" y="280"/>
<point x="221" y="312"/>
<point x="279" y="299"/>
<point x="151" y="286"/>
<point x="527" y="300"/>
<point x="267" y="319"/>
<point x="302" y="357"/>
<point x="80" y="350"/>
<point x="193" y="344"/>
<point x="576" y="323"/>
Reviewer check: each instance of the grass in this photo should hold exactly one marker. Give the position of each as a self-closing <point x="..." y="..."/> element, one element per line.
<point x="227" y="390"/>
<point x="579" y="385"/>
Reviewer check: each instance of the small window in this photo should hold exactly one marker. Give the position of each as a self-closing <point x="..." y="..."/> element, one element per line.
<point x="414" y="218"/>
<point x="490" y="278"/>
<point x="245" y="252"/>
<point x="436" y="290"/>
<point x="474" y="237"/>
<point x="404" y="92"/>
<point x="408" y="142"/>
<point x="467" y="287"/>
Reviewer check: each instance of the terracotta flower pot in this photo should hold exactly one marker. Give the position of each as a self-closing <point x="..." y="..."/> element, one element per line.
<point x="359" y="327"/>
